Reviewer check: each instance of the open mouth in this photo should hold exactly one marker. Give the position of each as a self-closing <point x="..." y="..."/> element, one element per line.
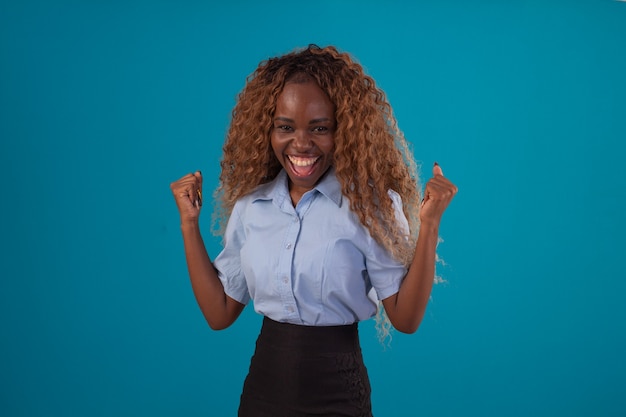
<point x="303" y="166"/>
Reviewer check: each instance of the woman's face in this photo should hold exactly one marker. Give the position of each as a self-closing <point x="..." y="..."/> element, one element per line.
<point x="303" y="135"/>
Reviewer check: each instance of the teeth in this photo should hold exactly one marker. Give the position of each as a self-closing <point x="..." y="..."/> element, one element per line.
<point x="302" y="162"/>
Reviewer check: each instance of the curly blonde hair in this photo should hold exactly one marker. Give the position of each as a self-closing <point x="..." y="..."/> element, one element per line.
<point x="371" y="154"/>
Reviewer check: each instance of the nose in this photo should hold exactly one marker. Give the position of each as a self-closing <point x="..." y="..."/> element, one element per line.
<point x="302" y="141"/>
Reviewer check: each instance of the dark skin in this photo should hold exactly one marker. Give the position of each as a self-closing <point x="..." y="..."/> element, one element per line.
<point x="303" y="135"/>
<point x="406" y="308"/>
<point x="303" y="141"/>
<point x="219" y="310"/>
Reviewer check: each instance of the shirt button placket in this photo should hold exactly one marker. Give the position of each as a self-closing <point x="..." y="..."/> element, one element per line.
<point x="285" y="269"/>
<point x="288" y="308"/>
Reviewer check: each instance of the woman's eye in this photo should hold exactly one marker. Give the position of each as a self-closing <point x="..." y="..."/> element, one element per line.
<point x="320" y="129"/>
<point x="284" y="128"/>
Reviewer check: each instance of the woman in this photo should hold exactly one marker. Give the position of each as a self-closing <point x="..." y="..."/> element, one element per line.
<point x="324" y="220"/>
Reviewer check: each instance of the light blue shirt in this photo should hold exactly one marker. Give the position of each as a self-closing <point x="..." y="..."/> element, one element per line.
<point x="313" y="264"/>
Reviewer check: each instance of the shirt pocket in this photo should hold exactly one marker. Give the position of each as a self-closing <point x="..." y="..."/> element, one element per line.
<point x="345" y="275"/>
<point x="259" y="265"/>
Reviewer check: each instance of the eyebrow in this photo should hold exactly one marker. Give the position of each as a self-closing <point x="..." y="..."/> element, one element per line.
<point x="311" y="122"/>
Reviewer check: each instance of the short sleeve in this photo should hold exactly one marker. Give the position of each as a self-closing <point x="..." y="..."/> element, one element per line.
<point x="228" y="262"/>
<point x="385" y="272"/>
<point x="401" y="220"/>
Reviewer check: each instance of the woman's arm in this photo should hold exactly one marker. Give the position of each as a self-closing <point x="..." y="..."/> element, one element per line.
<point x="406" y="308"/>
<point x="219" y="310"/>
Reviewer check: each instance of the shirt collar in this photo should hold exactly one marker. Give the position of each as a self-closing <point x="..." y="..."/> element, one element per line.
<point x="329" y="186"/>
<point x="278" y="188"/>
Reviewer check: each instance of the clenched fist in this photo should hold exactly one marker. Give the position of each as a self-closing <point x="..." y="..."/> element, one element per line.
<point x="438" y="193"/>
<point x="188" y="195"/>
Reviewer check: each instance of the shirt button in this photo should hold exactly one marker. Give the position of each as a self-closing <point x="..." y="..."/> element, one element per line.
<point x="285" y="280"/>
<point x="288" y="246"/>
<point x="290" y="309"/>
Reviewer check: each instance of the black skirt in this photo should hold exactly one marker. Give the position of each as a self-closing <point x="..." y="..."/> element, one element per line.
<point x="306" y="371"/>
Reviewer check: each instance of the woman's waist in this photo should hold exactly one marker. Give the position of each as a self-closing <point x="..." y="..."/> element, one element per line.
<point x="310" y="339"/>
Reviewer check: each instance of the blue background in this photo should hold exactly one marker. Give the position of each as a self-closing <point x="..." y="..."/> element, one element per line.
<point x="104" y="103"/>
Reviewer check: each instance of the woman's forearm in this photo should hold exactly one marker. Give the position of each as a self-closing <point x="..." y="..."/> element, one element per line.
<point x="219" y="310"/>
<point x="406" y="308"/>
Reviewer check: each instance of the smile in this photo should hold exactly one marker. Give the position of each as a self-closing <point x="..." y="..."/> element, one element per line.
<point x="303" y="166"/>
<point x="302" y="162"/>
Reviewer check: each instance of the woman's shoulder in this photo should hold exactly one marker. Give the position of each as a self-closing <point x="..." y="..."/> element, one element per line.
<point x="266" y="191"/>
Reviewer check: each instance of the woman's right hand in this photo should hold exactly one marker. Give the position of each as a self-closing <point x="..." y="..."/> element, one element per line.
<point x="188" y="195"/>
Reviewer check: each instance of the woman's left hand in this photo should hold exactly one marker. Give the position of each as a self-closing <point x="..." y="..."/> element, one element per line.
<point x="438" y="193"/>
<point x="406" y="308"/>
